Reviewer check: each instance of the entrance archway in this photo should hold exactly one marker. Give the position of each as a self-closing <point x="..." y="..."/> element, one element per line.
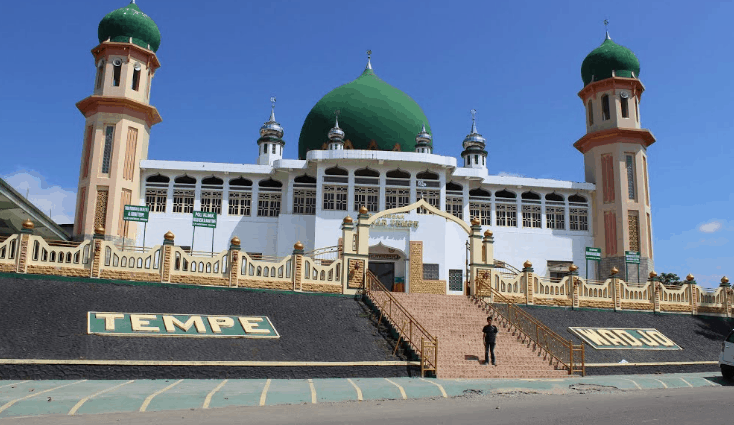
<point x="388" y="264"/>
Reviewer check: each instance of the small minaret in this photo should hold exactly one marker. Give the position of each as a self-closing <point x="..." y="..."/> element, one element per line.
<point x="336" y="135"/>
<point x="423" y="141"/>
<point x="474" y="154"/>
<point x="270" y="144"/>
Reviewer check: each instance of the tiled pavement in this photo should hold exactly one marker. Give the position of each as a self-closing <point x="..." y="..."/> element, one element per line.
<point x="80" y="397"/>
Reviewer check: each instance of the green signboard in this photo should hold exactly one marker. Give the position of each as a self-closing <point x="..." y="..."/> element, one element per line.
<point x="624" y="338"/>
<point x="179" y="325"/>
<point x="632" y="257"/>
<point x="593" y="254"/>
<point x="205" y="219"/>
<point x="135" y="213"/>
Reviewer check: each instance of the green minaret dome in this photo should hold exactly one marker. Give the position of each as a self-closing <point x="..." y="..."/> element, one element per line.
<point x="129" y="21"/>
<point x="370" y="109"/>
<point x="609" y="57"/>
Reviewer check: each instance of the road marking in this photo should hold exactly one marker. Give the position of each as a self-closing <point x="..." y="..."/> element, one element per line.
<point x="705" y="362"/>
<point x="204" y="363"/>
<point x="636" y="384"/>
<point x="664" y="385"/>
<point x="686" y="382"/>
<point x="86" y="399"/>
<point x="12" y="402"/>
<point x="150" y="397"/>
<point x="209" y="396"/>
<point x="17" y="383"/>
<point x="438" y="385"/>
<point x="313" y="391"/>
<point x="402" y="391"/>
<point x="359" y="392"/>
<point x="265" y="393"/>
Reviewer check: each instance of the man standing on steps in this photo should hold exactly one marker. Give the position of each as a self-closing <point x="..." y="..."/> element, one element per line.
<point x="490" y="337"/>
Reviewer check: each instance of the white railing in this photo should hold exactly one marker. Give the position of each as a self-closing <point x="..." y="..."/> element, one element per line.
<point x="675" y="294"/>
<point x="315" y="273"/>
<point x="42" y="254"/>
<point x="185" y="264"/>
<point x="547" y="288"/>
<point x="9" y="249"/>
<point x="711" y="298"/>
<point x="508" y="286"/>
<point x="116" y="259"/>
<point x="596" y="290"/>
<point x="272" y="270"/>
<point x="635" y="292"/>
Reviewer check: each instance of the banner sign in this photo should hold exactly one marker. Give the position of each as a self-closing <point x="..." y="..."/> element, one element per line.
<point x="632" y="257"/>
<point x="395" y="221"/>
<point x="593" y="254"/>
<point x="205" y="219"/>
<point x="624" y="338"/>
<point x="181" y="325"/>
<point x="384" y="257"/>
<point x="135" y="213"/>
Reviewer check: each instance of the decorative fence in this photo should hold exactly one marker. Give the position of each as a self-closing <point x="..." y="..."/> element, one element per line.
<point x="408" y="329"/>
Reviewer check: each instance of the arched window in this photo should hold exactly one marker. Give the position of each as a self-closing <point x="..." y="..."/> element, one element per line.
<point x="396" y="197"/>
<point x="136" y="77"/>
<point x="304" y="195"/>
<point x="427" y="175"/>
<point x="367" y="172"/>
<point x="637" y="110"/>
<point x="398" y="174"/>
<point x="336" y="171"/>
<point x="531" y="214"/>
<point x="506" y="208"/>
<point x="100" y="74"/>
<point x="366" y="189"/>
<point x="156" y="192"/>
<point x="183" y="194"/>
<point x="578" y="213"/>
<point x="505" y="194"/>
<point x="117" y="71"/>
<point x="211" y="194"/>
<point x="240" y="197"/>
<point x="605" y="114"/>
<point x="427" y="189"/>
<point x="269" y="198"/>
<point x="455" y="199"/>
<point x="624" y="105"/>
<point x="590" y="110"/>
<point x="555" y="217"/>
<point x="454" y="187"/>
<point x="480" y="206"/>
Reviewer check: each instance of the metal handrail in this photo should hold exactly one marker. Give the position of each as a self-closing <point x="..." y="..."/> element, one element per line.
<point x="60" y="243"/>
<point x="505" y="268"/>
<point x="563" y="350"/>
<point x="405" y="324"/>
<point x="324" y="250"/>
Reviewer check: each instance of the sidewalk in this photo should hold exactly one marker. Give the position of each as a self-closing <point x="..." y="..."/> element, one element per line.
<point x="78" y="397"/>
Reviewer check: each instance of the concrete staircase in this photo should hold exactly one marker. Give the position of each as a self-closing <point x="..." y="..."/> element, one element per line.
<point x="458" y="323"/>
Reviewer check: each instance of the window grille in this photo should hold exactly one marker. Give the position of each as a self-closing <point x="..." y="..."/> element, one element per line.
<point x="430" y="271"/>
<point x="506" y="215"/>
<point x="211" y="201"/>
<point x="555" y="217"/>
<point x="183" y="201"/>
<point x="107" y="154"/>
<point x="579" y="218"/>
<point x="396" y="198"/>
<point x="155" y="199"/>
<point x="367" y="196"/>
<point x="456" y="280"/>
<point x="100" y="210"/>
<point x="433" y="197"/>
<point x="335" y="198"/>
<point x="531" y="216"/>
<point x="304" y="201"/>
<point x="482" y="211"/>
<point x="240" y="202"/>
<point x="268" y="204"/>
<point x="634" y="230"/>
<point x="455" y="204"/>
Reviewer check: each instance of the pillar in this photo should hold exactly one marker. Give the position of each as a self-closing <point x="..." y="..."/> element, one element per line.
<point x="616" y="288"/>
<point x="655" y="281"/>
<point x="21" y="260"/>
<point x="97" y="241"/>
<point x="573" y="272"/>
<point x="167" y="260"/>
<point x="527" y="273"/>
<point x="475" y="251"/>
<point x="234" y="261"/>
<point x="693" y="291"/>
<point x="727" y="296"/>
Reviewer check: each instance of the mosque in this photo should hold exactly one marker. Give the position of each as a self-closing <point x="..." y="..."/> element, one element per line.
<point x="365" y="145"/>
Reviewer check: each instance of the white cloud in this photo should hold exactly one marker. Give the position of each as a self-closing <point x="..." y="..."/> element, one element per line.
<point x="710" y="227"/>
<point x="506" y="174"/>
<point x="55" y="201"/>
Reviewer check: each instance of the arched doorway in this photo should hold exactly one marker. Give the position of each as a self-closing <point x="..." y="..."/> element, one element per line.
<point x="388" y="264"/>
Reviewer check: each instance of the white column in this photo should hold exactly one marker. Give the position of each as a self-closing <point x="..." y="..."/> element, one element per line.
<point x="320" y="190"/>
<point x="255" y="196"/>
<point x="225" y="196"/>
<point x="350" y="192"/>
<point x="465" y="196"/>
<point x="518" y="202"/>
<point x="197" y="195"/>
<point x="542" y="211"/>
<point x="289" y="194"/>
<point x="169" y="196"/>
<point x="442" y="190"/>
<point x="383" y="191"/>
<point x="566" y="214"/>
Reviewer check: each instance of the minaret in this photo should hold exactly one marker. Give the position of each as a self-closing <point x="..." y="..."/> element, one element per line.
<point x="474" y="154"/>
<point x="118" y="122"/>
<point x="270" y="144"/>
<point x="423" y="141"/>
<point x="336" y="135"/>
<point x="615" y="157"/>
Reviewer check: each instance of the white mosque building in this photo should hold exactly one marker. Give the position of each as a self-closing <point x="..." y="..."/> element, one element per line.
<point x="365" y="143"/>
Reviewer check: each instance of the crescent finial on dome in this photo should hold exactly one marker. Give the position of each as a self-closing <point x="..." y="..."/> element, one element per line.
<point x="369" y="62"/>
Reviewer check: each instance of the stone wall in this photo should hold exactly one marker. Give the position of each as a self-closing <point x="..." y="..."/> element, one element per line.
<point x="265" y="284"/>
<point x="58" y="271"/>
<point x="355" y="272"/>
<point x="417" y="284"/>
<point x="322" y="287"/>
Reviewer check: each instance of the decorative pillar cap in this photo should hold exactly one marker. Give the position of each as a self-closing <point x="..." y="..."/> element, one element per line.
<point x="475" y="221"/>
<point x="614" y="271"/>
<point x="653" y="275"/>
<point x="572" y="268"/>
<point x="168" y="236"/>
<point x="99" y="230"/>
<point x="690" y="277"/>
<point x="28" y="224"/>
<point x="527" y="264"/>
<point x="348" y="220"/>
<point x="235" y="241"/>
<point x="363" y="210"/>
<point x="298" y="245"/>
<point x="488" y="234"/>
<point x="724" y="281"/>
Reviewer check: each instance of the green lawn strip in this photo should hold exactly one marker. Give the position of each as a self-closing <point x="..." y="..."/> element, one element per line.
<point x="238" y="392"/>
<point x="189" y="394"/>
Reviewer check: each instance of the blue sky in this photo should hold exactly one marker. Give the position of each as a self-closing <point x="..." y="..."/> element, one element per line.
<point x="517" y="63"/>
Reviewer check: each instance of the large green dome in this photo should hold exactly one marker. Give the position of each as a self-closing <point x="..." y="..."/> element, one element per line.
<point x="130" y="21"/>
<point x="609" y="57"/>
<point x="370" y="109"/>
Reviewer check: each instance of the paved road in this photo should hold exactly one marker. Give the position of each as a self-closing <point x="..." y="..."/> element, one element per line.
<point x="165" y="401"/>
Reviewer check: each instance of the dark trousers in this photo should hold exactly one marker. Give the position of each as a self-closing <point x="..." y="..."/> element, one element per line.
<point x="488" y="348"/>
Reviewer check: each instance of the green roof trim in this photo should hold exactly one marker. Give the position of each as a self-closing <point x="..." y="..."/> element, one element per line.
<point x="370" y="109"/>
<point x="610" y="56"/>
<point x="129" y="21"/>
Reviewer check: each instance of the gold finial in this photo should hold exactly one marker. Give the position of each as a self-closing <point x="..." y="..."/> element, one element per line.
<point x="28" y="224"/>
<point x="363" y="210"/>
<point x="475" y="221"/>
<point x="488" y="233"/>
<point x="235" y="241"/>
<point x="653" y="274"/>
<point x="724" y="280"/>
<point x="168" y="236"/>
<point x="527" y="264"/>
<point x="99" y="230"/>
<point x="614" y="271"/>
<point x="298" y="245"/>
<point x="689" y="277"/>
<point x="572" y="268"/>
<point x="348" y="220"/>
